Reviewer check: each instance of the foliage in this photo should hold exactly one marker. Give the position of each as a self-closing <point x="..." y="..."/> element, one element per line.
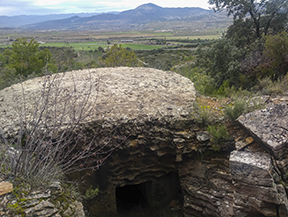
<point x="221" y="62"/>
<point x="268" y="87"/>
<point x="241" y="33"/>
<point x="8" y="77"/>
<point x="90" y="192"/>
<point x="243" y="55"/>
<point x="205" y="114"/>
<point x="275" y="61"/>
<point x="235" y="110"/>
<point x="26" y="57"/>
<point x="52" y="141"/>
<point x="203" y="83"/>
<point x="218" y="134"/>
<point x="118" y="56"/>
<point x="265" y="16"/>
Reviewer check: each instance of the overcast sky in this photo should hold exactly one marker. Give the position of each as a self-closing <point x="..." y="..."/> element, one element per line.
<point x="42" y="7"/>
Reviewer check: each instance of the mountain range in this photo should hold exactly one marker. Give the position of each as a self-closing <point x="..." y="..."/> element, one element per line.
<point x="146" y="16"/>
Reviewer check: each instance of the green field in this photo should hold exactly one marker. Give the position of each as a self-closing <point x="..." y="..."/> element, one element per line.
<point x="87" y="46"/>
<point x="88" y="41"/>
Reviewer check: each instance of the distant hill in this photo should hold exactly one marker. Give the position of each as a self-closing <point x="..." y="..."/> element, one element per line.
<point x="146" y="16"/>
<point x="22" y="20"/>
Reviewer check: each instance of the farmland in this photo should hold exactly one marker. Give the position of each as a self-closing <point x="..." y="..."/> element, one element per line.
<point x="91" y="40"/>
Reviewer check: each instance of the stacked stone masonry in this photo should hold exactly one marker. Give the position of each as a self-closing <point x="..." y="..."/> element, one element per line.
<point x="165" y="146"/>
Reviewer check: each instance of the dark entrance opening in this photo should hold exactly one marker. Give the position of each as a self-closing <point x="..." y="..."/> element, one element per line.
<point x="131" y="198"/>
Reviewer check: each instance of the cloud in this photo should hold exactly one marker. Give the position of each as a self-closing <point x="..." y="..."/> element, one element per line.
<point x="41" y="7"/>
<point x="18" y="7"/>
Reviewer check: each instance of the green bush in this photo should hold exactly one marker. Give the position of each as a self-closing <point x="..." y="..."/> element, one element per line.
<point x="204" y="114"/>
<point x="234" y="111"/>
<point x="90" y="193"/>
<point x="266" y="86"/>
<point x="218" y="134"/>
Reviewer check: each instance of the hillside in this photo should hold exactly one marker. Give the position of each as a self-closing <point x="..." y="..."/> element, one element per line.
<point x="142" y="17"/>
<point x="22" y="20"/>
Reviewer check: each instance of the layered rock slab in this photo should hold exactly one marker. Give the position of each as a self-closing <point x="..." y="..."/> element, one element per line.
<point x="152" y="108"/>
<point x="270" y="126"/>
<point x="115" y="94"/>
<point x="255" y="189"/>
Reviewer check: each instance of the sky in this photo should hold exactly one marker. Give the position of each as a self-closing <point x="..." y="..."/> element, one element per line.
<point x="44" y="7"/>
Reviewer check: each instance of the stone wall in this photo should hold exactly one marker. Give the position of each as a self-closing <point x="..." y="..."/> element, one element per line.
<point x="166" y="156"/>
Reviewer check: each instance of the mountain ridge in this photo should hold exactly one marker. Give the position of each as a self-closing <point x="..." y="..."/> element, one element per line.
<point x="134" y="19"/>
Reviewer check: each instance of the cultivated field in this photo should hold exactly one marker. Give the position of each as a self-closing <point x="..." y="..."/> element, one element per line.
<point x="91" y="40"/>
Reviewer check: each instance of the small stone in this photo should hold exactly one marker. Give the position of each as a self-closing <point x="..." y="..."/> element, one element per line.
<point x="38" y="195"/>
<point x="203" y="136"/>
<point x="5" y="187"/>
<point x="55" y="188"/>
<point x="240" y="145"/>
<point x="43" y="209"/>
<point x="179" y="158"/>
<point x="178" y="140"/>
<point x="154" y="147"/>
<point x="68" y="212"/>
<point x="249" y="140"/>
<point x="133" y="143"/>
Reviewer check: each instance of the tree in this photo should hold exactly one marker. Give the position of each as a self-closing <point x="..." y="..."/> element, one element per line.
<point x="221" y="61"/>
<point x="26" y="57"/>
<point x="274" y="62"/>
<point x="119" y="56"/>
<point x="261" y="17"/>
<point x="2" y="60"/>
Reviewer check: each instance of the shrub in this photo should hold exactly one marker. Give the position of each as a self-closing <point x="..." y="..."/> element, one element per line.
<point x="52" y="140"/>
<point x="90" y="192"/>
<point x="119" y="56"/>
<point x="218" y="134"/>
<point x="267" y="86"/>
<point x="234" y="111"/>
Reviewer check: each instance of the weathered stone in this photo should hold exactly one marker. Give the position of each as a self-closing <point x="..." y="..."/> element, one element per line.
<point x="38" y="195"/>
<point x="270" y="126"/>
<point x="5" y="187"/>
<point x="78" y="209"/>
<point x="203" y="136"/>
<point x="55" y="188"/>
<point x="203" y="184"/>
<point x="166" y="154"/>
<point x="240" y="145"/>
<point x="44" y="208"/>
<point x="120" y="95"/>
<point x="255" y="190"/>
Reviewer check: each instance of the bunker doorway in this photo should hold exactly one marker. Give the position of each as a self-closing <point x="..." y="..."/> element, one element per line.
<point x="132" y="198"/>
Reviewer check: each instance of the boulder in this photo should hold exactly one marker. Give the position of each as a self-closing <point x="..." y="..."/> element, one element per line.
<point x="115" y="94"/>
<point x="255" y="189"/>
<point x="270" y="127"/>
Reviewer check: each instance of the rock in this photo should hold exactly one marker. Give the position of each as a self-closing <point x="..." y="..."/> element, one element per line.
<point x="270" y="126"/>
<point x="241" y="144"/>
<point x="255" y="189"/>
<point x="56" y="188"/>
<point x="39" y="194"/>
<point x="44" y="208"/>
<point x="75" y="210"/>
<point x="151" y="109"/>
<point x="203" y="136"/>
<point x="119" y="93"/>
<point x="165" y="155"/>
<point x="5" y="187"/>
